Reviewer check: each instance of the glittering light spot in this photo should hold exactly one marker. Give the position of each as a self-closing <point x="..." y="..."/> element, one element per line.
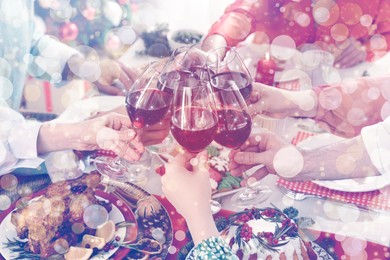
<point x="285" y="43"/>
<point x="302" y="19"/>
<point x="6" y="89"/>
<point x="345" y="164"/>
<point x="194" y="161"/>
<point x="373" y="93"/>
<point x="366" y="20"/>
<point x="3" y="153"/>
<point x="378" y="42"/>
<point x="107" y="139"/>
<point x="385" y="110"/>
<point x="95" y="215"/>
<point x="330" y="210"/>
<point x="350" y="13"/>
<point x="340" y="236"/>
<point x="330" y="99"/>
<point x="353" y="246"/>
<point x="61" y="246"/>
<point x="321" y="15"/>
<point x="339" y="32"/>
<point x="356" y="116"/>
<point x="5" y="202"/>
<point x="180" y="235"/>
<point x="157" y="233"/>
<point x="8" y="182"/>
<point x="127" y="35"/>
<point x="172" y="250"/>
<point x="348" y="214"/>
<point x="78" y="228"/>
<point x="5" y="68"/>
<point x="288" y="162"/>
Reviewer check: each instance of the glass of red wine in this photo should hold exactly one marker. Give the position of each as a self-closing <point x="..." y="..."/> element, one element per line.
<point x="229" y="69"/>
<point x="194" y="118"/>
<point x="146" y="105"/>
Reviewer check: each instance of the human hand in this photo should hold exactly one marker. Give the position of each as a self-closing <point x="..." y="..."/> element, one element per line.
<point x="188" y="190"/>
<point x="109" y="132"/>
<point x="270" y="150"/>
<point x="280" y="103"/>
<point x="351" y="53"/>
<point x="115" y="77"/>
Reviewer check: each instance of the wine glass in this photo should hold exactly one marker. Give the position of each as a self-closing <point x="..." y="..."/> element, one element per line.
<point x="227" y="68"/>
<point x="146" y="105"/>
<point x="194" y="119"/>
<point x="234" y="121"/>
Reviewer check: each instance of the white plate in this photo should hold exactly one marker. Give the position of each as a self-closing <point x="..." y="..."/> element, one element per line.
<point x="86" y="108"/>
<point x="348" y="185"/>
<point x="8" y="231"/>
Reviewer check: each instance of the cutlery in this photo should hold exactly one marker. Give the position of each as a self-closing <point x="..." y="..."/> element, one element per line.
<point x="146" y="246"/>
<point x="255" y="185"/>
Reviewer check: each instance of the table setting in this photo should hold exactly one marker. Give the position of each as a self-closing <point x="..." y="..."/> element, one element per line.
<point x="341" y="219"/>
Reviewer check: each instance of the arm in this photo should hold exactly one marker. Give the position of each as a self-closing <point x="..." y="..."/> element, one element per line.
<point x="343" y="109"/>
<point x="346" y="159"/>
<point x="18" y="140"/>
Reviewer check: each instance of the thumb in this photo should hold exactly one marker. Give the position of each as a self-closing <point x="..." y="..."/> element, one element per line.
<point x="249" y="158"/>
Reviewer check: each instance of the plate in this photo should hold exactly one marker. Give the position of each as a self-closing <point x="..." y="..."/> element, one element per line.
<point x="349" y="185"/>
<point x="157" y="226"/>
<point x="120" y="212"/>
<point x="86" y="108"/>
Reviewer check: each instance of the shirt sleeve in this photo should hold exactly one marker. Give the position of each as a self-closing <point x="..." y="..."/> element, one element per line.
<point x="18" y="144"/>
<point x="50" y="59"/>
<point x="212" y="248"/>
<point x="237" y="22"/>
<point x="376" y="139"/>
<point x="345" y="108"/>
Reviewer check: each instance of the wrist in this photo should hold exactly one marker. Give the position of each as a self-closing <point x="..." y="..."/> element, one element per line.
<point x="55" y="137"/>
<point x="202" y="226"/>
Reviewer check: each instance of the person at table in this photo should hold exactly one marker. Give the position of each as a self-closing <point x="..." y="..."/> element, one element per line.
<point x="23" y="142"/>
<point x="357" y="109"/>
<point x="193" y="203"/>
<point x="352" y="31"/>
<point x="25" y="51"/>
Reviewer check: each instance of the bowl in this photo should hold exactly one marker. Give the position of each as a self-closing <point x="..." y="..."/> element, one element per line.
<point x="184" y="37"/>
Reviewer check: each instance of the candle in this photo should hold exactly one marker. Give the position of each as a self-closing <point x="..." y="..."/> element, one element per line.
<point x="266" y="70"/>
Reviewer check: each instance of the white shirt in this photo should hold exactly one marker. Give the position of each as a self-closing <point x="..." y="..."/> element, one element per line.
<point x="376" y="139"/>
<point x="18" y="141"/>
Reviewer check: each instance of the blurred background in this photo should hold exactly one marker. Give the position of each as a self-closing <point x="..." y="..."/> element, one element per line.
<point x="111" y="27"/>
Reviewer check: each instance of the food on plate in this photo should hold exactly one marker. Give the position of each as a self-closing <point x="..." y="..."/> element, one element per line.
<point x="148" y="206"/>
<point x="220" y="177"/>
<point x="78" y="253"/>
<point x="54" y="222"/>
<point x="266" y="233"/>
<point x="106" y="231"/>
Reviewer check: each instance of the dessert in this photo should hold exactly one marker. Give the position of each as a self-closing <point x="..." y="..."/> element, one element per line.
<point x="266" y="234"/>
<point x="220" y="177"/>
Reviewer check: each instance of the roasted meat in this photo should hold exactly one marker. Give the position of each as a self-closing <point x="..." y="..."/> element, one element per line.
<point x="51" y="216"/>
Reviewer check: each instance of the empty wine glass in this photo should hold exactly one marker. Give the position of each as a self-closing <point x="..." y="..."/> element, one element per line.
<point x="228" y="68"/>
<point x="147" y="105"/>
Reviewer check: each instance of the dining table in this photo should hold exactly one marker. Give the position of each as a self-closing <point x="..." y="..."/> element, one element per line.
<point x="350" y="217"/>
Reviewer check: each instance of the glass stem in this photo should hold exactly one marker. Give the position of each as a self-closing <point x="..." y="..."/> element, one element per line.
<point x="122" y="152"/>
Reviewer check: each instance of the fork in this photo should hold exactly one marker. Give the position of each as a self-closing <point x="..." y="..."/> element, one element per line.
<point x="296" y="195"/>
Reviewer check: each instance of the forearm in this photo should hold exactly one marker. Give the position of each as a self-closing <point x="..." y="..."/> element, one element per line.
<point x="341" y="160"/>
<point x="56" y="137"/>
<point x="202" y="227"/>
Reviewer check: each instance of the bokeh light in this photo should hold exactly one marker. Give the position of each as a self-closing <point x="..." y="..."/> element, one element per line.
<point x="95" y="215"/>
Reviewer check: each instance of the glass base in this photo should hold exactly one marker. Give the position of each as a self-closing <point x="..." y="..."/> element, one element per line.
<point x="165" y="147"/>
<point x="106" y="166"/>
<point x="251" y="196"/>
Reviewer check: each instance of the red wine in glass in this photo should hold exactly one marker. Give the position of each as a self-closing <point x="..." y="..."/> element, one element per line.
<point x="225" y="80"/>
<point x="234" y="127"/>
<point x="155" y="106"/>
<point x="197" y="133"/>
